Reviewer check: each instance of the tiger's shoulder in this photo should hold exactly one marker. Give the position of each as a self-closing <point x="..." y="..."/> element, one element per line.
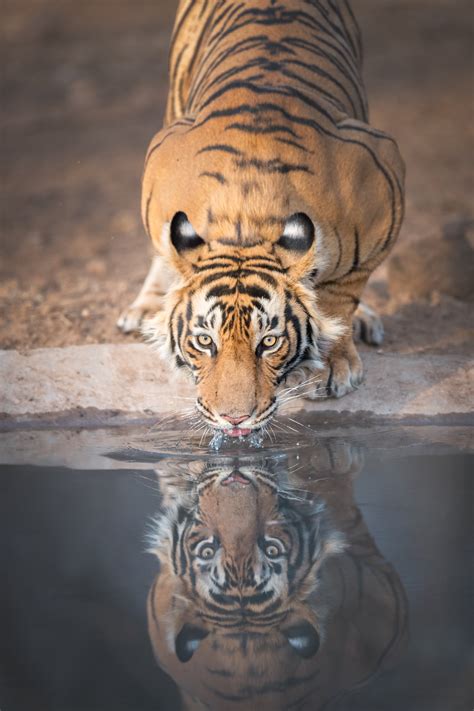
<point x="242" y="187"/>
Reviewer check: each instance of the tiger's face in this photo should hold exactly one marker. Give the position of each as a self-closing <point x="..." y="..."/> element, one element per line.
<point x="244" y="558"/>
<point x="240" y="549"/>
<point x="253" y="577"/>
<point x="241" y="319"/>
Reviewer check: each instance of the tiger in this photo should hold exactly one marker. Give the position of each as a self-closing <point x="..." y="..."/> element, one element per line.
<point x="269" y="200"/>
<point x="268" y="594"/>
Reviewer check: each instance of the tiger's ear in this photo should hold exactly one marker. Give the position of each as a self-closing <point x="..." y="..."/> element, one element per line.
<point x="296" y="246"/>
<point x="303" y="638"/>
<point x="188" y="640"/>
<point x="180" y="244"/>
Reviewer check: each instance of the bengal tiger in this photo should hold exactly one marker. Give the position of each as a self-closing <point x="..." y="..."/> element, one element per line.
<point x="268" y="595"/>
<point x="269" y="200"/>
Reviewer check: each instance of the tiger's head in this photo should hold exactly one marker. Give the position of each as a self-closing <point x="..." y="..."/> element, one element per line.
<point x="240" y="318"/>
<point x="266" y="594"/>
<point x="239" y="555"/>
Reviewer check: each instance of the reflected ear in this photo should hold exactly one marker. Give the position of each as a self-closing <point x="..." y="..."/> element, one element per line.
<point x="295" y="248"/>
<point x="303" y="638"/>
<point x="188" y="640"/>
<point x="182" y="234"/>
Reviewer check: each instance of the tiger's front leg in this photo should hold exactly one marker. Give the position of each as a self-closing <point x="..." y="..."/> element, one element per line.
<point x="149" y="299"/>
<point x="344" y="370"/>
<point x="342" y="374"/>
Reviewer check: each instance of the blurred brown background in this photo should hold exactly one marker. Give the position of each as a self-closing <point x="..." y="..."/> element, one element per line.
<point x="83" y="91"/>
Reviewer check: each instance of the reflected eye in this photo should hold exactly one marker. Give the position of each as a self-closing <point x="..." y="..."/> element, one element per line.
<point x="204" y="340"/>
<point x="269" y="341"/>
<point x="206" y="551"/>
<point x="274" y="548"/>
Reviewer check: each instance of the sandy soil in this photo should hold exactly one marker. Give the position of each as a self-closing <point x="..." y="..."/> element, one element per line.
<point x="83" y="91"/>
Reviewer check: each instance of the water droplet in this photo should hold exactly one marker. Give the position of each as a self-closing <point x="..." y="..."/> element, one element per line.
<point x="217" y="440"/>
<point x="256" y="439"/>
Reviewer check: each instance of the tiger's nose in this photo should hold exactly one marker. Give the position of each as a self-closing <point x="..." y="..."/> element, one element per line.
<point x="235" y="420"/>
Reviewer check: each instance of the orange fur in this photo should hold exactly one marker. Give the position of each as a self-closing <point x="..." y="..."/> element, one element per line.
<point x="354" y="599"/>
<point x="267" y="119"/>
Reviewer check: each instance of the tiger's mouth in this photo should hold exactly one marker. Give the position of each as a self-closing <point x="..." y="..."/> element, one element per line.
<point x="239" y="426"/>
<point x="235" y="478"/>
<point x="238" y="431"/>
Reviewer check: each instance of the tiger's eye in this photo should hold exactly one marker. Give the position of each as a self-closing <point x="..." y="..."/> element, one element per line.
<point x="272" y="550"/>
<point x="269" y="341"/>
<point x="206" y="552"/>
<point x="204" y="340"/>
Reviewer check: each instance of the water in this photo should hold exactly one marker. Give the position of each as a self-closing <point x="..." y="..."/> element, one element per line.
<point x="324" y="570"/>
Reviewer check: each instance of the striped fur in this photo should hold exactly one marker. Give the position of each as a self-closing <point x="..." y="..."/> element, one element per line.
<point x="239" y="610"/>
<point x="266" y="120"/>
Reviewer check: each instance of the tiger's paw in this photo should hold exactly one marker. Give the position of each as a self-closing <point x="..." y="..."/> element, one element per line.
<point x="367" y="325"/>
<point x="132" y="318"/>
<point x="344" y="372"/>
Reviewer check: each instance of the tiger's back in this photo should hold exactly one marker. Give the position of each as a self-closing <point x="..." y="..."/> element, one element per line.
<point x="267" y="116"/>
<point x="277" y="32"/>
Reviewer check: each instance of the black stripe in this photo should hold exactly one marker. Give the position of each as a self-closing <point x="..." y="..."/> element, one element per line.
<point x="347" y="69"/>
<point x="346" y="31"/>
<point x="220" y="672"/>
<point x="295" y="144"/>
<point x="174" y="546"/>
<point x="339" y="244"/>
<point x="275" y="165"/>
<point x="357" y="29"/>
<point x="176" y="64"/>
<point x="203" y="31"/>
<point x="225" y="148"/>
<point x="180" y="24"/>
<point x="245" y="45"/>
<point x="247" y="128"/>
<point x="217" y="176"/>
<point x="216" y="265"/>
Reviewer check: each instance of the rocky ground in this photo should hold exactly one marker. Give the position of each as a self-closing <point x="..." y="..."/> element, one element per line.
<point x="83" y="91"/>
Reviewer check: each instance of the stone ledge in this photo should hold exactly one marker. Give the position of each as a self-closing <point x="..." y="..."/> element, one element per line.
<point x="123" y="382"/>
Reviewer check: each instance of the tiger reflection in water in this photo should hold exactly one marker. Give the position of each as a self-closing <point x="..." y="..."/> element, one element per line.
<point x="271" y="592"/>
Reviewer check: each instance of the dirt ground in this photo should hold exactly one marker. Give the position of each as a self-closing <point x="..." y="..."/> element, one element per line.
<point x="83" y="91"/>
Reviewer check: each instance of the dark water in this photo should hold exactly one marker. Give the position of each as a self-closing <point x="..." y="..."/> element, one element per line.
<point x="327" y="572"/>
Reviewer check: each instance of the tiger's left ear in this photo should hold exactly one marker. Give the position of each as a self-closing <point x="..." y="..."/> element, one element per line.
<point x="297" y="245"/>
<point x="180" y="244"/>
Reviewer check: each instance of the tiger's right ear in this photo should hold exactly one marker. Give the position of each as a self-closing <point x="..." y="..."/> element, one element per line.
<point x="180" y="244"/>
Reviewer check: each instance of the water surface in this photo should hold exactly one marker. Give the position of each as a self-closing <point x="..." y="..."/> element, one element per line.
<point x="325" y="570"/>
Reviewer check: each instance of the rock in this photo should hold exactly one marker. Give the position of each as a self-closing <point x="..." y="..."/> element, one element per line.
<point x="132" y="380"/>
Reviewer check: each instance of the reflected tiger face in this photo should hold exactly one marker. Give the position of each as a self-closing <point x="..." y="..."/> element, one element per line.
<point x="242" y="553"/>
<point x="241" y="549"/>
<point x="242" y="599"/>
<point x="242" y="320"/>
